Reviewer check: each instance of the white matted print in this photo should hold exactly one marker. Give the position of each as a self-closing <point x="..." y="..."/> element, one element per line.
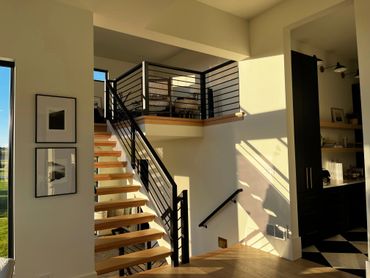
<point x="55" y="171"/>
<point x="55" y="119"/>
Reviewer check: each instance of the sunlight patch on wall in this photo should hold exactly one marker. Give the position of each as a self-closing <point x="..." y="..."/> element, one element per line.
<point x="262" y="84"/>
<point x="259" y="241"/>
<point x="266" y="169"/>
<point x="243" y="183"/>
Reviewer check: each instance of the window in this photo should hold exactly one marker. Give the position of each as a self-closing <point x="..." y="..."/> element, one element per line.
<point x="100" y="75"/>
<point x="6" y="197"/>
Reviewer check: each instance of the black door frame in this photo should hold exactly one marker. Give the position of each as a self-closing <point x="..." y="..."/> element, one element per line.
<point x="10" y="65"/>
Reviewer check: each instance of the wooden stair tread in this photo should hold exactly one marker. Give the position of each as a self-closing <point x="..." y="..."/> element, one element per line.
<point x="105" y="143"/>
<point x="135" y="258"/>
<point x="102" y="135"/>
<point x="107" y="153"/>
<point x="123" y="220"/>
<point x="129" y="203"/>
<point x="100" y="127"/>
<point x="117" y="189"/>
<point x="116" y="241"/>
<point x="110" y="164"/>
<point x="107" y="177"/>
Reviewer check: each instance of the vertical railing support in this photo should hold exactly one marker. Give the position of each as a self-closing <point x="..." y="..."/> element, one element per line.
<point x="184" y="228"/>
<point x="144" y="173"/>
<point x="211" y="109"/>
<point x="145" y="88"/>
<point x="203" y="99"/>
<point x="133" y="147"/>
<point x="174" y="229"/>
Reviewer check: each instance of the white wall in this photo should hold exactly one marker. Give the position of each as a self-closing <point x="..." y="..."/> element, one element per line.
<point x="114" y="67"/>
<point x="52" y="46"/>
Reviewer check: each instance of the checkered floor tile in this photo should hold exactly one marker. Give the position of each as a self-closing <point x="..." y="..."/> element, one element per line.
<point x="346" y="252"/>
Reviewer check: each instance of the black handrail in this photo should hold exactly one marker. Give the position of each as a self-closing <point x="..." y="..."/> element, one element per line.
<point x="203" y="223"/>
<point x="128" y="131"/>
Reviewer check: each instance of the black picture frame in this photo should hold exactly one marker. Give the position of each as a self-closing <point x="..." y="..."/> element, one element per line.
<point x="55" y="171"/>
<point x="55" y="119"/>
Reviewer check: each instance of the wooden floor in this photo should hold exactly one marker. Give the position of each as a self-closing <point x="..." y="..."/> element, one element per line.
<point x="244" y="262"/>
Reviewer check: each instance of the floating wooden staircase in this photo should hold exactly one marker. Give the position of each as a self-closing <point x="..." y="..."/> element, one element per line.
<point x="113" y="183"/>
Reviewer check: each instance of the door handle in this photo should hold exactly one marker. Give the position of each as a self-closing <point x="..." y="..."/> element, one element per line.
<point x="311" y="177"/>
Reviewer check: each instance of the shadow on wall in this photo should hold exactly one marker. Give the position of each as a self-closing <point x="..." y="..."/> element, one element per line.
<point x="263" y="176"/>
<point x="247" y="154"/>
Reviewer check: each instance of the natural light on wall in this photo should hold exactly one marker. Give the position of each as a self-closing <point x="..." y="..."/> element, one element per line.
<point x="263" y="85"/>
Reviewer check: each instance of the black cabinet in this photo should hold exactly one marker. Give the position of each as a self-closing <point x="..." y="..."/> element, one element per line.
<point x="306" y="123"/>
<point x="343" y="209"/>
<point x="307" y="145"/>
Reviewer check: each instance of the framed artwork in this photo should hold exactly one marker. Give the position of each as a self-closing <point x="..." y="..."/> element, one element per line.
<point x="55" y="171"/>
<point x="55" y="119"/>
<point x="337" y="115"/>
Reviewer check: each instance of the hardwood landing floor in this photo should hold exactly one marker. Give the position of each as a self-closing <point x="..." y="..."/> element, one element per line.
<point x="244" y="262"/>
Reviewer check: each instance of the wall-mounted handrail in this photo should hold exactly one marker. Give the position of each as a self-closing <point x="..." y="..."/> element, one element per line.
<point x="230" y="198"/>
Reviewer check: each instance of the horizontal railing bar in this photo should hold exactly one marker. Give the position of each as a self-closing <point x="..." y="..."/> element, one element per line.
<point x="221" y="77"/>
<point x="219" y="66"/>
<point x="203" y="223"/>
<point x="223" y="88"/>
<point x="173" y="68"/>
<point x="172" y="78"/>
<point x="224" y="99"/>
<point x="138" y="80"/>
<point x="129" y="72"/>
<point x="226" y="93"/>
<point x="211" y="76"/>
<point x="227" y="104"/>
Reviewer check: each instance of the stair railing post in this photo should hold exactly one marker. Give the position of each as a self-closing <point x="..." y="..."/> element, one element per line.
<point x="145" y="88"/>
<point x="174" y="229"/>
<point x="203" y="100"/>
<point x="133" y="147"/>
<point x="211" y="109"/>
<point x="184" y="228"/>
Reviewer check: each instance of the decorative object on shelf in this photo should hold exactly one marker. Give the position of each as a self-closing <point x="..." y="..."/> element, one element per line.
<point x="352" y="118"/>
<point x="55" y="119"/>
<point x="55" y="171"/>
<point x="337" y="115"/>
<point x="325" y="177"/>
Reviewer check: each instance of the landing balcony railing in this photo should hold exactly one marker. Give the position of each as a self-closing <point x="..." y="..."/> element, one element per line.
<point x="154" y="89"/>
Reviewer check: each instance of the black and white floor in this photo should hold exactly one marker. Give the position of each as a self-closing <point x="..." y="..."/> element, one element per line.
<point x="346" y="252"/>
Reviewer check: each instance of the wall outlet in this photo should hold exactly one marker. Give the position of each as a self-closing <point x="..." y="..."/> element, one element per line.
<point x="222" y="242"/>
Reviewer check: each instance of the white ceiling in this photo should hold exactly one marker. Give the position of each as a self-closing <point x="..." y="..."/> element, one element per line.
<point x="123" y="47"/>
<point x="242" y="8"/>
<point x="119" y="46"/>
<point x="334" y="33"/>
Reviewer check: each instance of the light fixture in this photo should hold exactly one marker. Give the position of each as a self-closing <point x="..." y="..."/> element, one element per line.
<point x="354" y="74"/>
<point x="338" y="67"/>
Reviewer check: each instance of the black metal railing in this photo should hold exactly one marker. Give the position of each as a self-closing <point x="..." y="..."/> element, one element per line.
<point x="161" y="187"/>
<point x="222" y="90"/>
<point x="213" y="213"/>
<point x="154" y="89"/>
